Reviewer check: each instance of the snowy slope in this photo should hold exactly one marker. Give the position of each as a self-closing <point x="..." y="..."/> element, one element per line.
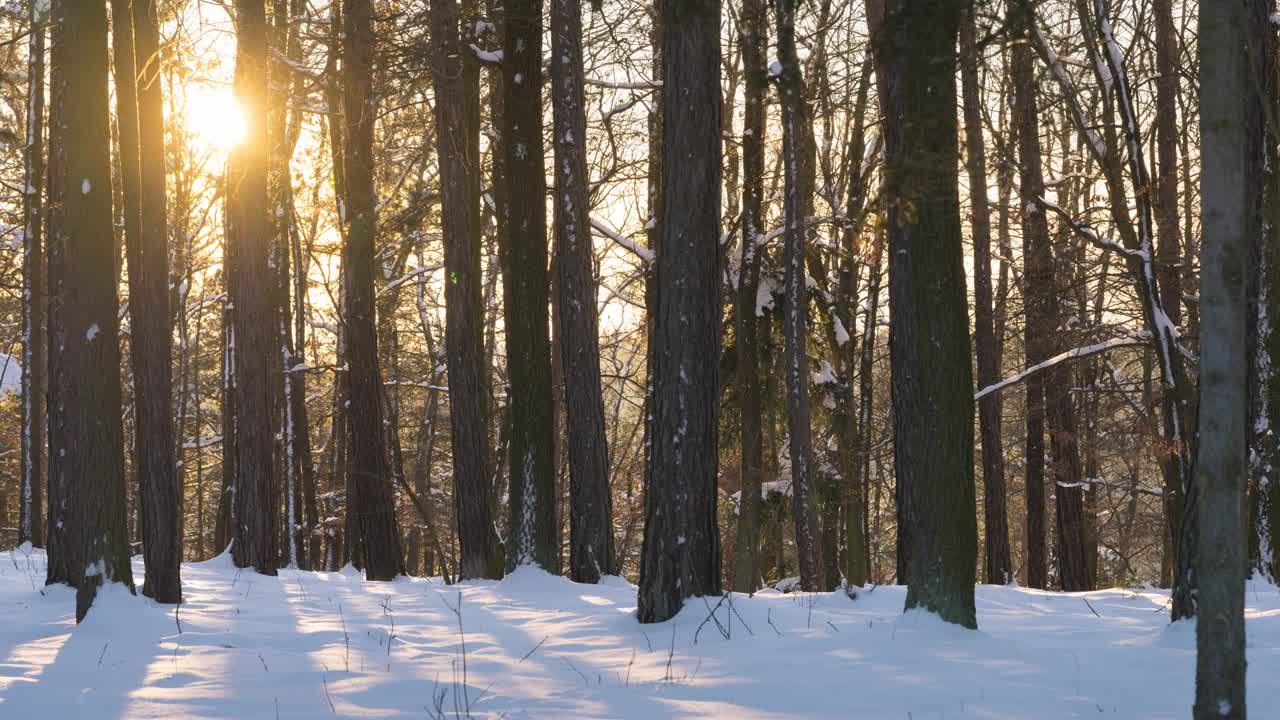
<point x="537" y="646"/>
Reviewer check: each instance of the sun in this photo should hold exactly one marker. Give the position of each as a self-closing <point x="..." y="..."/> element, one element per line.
<point x="214" y="118"/>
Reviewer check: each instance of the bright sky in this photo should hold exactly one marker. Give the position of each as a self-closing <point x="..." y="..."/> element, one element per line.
<point x="214" y="117"/>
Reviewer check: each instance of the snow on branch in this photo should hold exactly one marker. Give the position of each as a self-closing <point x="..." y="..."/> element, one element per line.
<point x="1060" y="358"/>
<point x="611" y="85"/>
<point x="486" y="56"/>
<point x="1088" y="233"/>
<point x="202" y="443"/>
<point x="409" y="276"/>
<point x="643" y="253"/>
<point x="1096" y="145"/>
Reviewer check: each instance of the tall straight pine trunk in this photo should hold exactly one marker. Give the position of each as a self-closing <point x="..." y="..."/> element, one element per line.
<point x="753" y="38"/>
<point x="368" y="484"/>
<point x="591" y="552"/>
<point x="932" y="388"/>
<point x="35" y="378"/>
<point x="84" y="335"/>
<point x="151" y="333"/>
<point x="852" y="491"/>
<point x="681" y="553"/>
<point x="653" y="230"/>
<point x="1043" y="332"/>
<point x="1168" y="235"/>
<point x="253" y="526"/>
<point x="464" y="309"/>
<point x="796" y="302"/>
<point x="336" y="549"/>
<point x="526" y="292"/>
<point x="998" y="565"/>
<point x="1037" y="292"/>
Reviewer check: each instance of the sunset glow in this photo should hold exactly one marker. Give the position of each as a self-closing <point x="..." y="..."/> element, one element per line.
<point x="215" y="118"/>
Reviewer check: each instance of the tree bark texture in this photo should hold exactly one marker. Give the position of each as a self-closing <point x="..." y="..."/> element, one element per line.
<point x="932" y="384"/>
<point x="681" y="553"/>
<point x="464" y="325"/>
<point x="591" y="552"/>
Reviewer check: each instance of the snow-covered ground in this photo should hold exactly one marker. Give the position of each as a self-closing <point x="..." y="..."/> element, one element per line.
<point x="315" y="645"/>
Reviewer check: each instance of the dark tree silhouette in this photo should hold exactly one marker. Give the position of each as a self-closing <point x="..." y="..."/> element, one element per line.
<point x="464" y="326"/>
<point x="932" y="386"/>
<point x="376" y="533"/>
<point x="591" y="552"/>
<point x="681" y="554"/>
<point x="253" y="512"/>
<point x="526" y="290"/>
<point x="84" y="330"/>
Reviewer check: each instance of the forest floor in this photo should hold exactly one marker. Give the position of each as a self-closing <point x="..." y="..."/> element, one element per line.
<point x="315" y="645"/>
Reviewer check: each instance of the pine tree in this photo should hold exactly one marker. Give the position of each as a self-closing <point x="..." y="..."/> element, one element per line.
<point x="1168" y="251"/>
<point x="464" y="345"/>
<point x="150" y="332"/>
<point x="368" y="483"/>
<point x="591" y="552"/>
<point x="796" y="133"/>
<point x="1037" y="293"/>
<point x="253" y="519"/>
<point x="1048" y="395"/>
<point x="681" y="553"/>
<point x="998" y="564"/>
<point x="526" y="291"/>
<point x="35" y="379"/>
<point x="932" y="388"/>
<point x="753" y="26"/>
<point x="84" y="331"/>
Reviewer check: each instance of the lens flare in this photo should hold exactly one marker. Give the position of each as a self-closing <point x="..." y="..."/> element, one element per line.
<point x="215" y="118"/>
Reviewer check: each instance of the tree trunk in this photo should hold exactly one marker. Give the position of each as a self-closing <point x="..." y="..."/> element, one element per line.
<point x="295" y="444"/>
<point x="1232" y="131"/>
<point x="151" y="333"/>
<point x="929" y="331"/>
<point x="526" y="292"/>
<point x="304" y="459"/>
<point x="681" y="554"/>
<point x="653" y="228"/>
<point x="998" y="566"/>
<point x="127" y="225"/>
<point x="226" y="490"/>
<point x="1168" y="252"/>
<point x="753" y="39"/>
<point x="796" y="305"/>
<point x="845" y="354"/>
<point x="423" y="467"/>
<point x="463" y="302"/>
<point x="1038" y="295"/>
<point x="301" y="434"/>
<point x="64" y="561"/>
<point x="866" y="391"/>
<point x="248" y="239"/>
<point x="1040" y="292"/>
<point x="84" y="335"/>
<point x="494" y="420"/>
<point x="368" y="487"/>
<point x="35" y="378"/>
<point x="336" y="554"/>
<point x="1264" y="349"/>
<point x="279" y="185"/>
<point x="1069" y="481"/>
<point x="591" y="551"/>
